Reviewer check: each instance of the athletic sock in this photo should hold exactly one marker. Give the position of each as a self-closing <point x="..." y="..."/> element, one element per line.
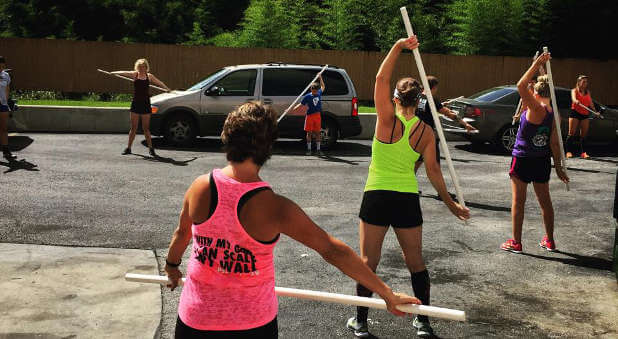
<point x="421" y="287"/>
<point x="582" y="142"/>
<point x="309" y="146"/>
<point x="362" y="312"/>
<point x="317" y="145"/>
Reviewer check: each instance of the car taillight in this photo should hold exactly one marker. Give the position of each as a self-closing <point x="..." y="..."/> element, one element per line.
<point x="473" y="112"/>
<point x="355" y="107"/>
<point x="154" y="109"/>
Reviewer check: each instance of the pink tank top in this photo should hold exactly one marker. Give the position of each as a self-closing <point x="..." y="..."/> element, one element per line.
<point x="230" y="281"/>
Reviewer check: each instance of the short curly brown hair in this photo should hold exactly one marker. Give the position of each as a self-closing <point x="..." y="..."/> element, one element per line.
<point x="250" y="132"/>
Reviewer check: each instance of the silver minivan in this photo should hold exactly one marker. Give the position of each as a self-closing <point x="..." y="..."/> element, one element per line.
<point x="201" y="110"/>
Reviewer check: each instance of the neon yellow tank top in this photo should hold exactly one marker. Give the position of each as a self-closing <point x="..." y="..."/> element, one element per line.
<point x="392" y="165"/>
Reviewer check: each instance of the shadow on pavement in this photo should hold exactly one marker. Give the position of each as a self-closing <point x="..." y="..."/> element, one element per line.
<point x="577" y="260"/>
<point x="282" y="147"/>
<point x="15" y="165"/>
<point x="19" y="142"/>
<point x="479" y="148"/>
<point x="166" y="160"/>
<point x="470" y="204"/>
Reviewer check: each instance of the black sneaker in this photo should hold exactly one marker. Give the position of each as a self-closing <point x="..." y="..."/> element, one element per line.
<point x="423" y="329"/>
<point x="152" y="153"/>
<point x="360" y="329"/>
<point x="126" y="151"/>
<point x="9" y="156"/>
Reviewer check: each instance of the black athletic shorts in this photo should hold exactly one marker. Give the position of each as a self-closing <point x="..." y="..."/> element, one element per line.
<point x="270" y="330"/>
<point x="141" y="107"/>
<point x="531" y="169"/>
<point x="576" y="115"/>
<point x="390" y="208"/>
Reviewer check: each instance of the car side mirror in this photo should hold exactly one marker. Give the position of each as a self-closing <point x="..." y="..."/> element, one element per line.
<point x="215" y="91"/>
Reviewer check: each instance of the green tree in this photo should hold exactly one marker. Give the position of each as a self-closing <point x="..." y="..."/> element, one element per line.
<point x="485" y="26"/>
<point x="267" y="24"/>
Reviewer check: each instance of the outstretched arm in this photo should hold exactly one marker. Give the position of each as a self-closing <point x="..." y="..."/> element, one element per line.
<point x="294" y="223"/>
<point x="382" y="94"/>
<point x="130" y="74"/>
<point x="453" y="116"/>
<point x="322" y="85"/>
<point x="158" y="82"/>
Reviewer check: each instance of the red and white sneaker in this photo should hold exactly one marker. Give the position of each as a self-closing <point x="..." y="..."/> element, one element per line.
<point x="548" y="244"/>
<point x="512" y="246"/>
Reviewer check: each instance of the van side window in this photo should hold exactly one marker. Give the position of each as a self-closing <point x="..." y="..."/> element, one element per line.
<point x="289" y="82"/>
<point x="285" y="82"/>
<point x="239" y="83"/>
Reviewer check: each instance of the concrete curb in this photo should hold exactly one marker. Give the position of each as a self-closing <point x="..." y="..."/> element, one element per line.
<point x="77" y="119"/>
<point x="60" y="292"/>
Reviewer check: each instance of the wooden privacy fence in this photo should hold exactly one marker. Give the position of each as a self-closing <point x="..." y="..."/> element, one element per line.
<point x="70" y="66"/>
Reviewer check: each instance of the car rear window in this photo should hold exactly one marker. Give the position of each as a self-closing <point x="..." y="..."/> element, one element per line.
<point x="290" y="82"/>
<point x="492" y="94"/>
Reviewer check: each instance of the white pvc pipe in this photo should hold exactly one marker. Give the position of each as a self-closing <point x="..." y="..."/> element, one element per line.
<point x="301" y="93"/>
<point x="431" y="311"/>
<point x="125" y="78"/>
<point x="434" y="111"/>
<point x="591" y="111"/>
<point x="556" y="114"/>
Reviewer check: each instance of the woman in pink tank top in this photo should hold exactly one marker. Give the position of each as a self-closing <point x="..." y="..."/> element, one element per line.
<point x="234" y="220"/>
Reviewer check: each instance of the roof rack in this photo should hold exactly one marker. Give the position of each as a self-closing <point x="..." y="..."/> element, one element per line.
<point x="272" y="63"/>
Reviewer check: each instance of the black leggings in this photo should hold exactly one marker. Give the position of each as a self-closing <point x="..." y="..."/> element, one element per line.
<point x="270" y="330"/>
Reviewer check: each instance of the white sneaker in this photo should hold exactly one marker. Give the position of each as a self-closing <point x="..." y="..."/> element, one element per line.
<point x="360" y="329"/>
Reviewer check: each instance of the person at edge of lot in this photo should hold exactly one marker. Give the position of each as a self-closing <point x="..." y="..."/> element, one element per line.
<point x="579" y="122"/>
<point x="313" y="116"/>
<point x="140" y="105"/>
<point x="535" y="144"/>
<point x="424" y="113"/>
<point x="5" y="81"/>
<point x="391" y="196"/>
<point x="235" y="220"/>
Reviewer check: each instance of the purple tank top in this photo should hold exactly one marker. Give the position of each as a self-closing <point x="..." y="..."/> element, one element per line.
<point x="533" y="140"/>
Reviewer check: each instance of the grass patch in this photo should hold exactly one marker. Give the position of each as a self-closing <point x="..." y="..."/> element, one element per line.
<point x="88" y="103"/>
<point x="366" y="109"/>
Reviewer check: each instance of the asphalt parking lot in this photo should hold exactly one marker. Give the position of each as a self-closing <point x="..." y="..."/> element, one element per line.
<point x="77" y="190"/>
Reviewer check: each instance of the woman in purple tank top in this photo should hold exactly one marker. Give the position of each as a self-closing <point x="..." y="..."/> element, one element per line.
<point x="536" y="143"/>
<point x="140" y="105"/>
<point x="234" y="220"/>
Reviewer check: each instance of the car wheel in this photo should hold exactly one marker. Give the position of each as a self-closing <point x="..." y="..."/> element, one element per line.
<point x="505" y="140"/>
<point x="180" y="129"/>
<point x="329" y="133"/>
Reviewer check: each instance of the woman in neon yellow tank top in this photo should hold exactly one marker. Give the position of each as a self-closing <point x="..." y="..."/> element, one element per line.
<point x="391" y="192"/>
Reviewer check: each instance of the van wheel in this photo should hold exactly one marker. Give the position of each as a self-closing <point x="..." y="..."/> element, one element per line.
<point x="180" y="129"/>
<point x="505" y="139"/>
<point x="329" y="133"/>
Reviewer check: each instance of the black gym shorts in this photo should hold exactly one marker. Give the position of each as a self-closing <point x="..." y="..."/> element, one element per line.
<point x="390" y="208"/>
<point x="576" y="115"/>
<point x="531" y="169"/>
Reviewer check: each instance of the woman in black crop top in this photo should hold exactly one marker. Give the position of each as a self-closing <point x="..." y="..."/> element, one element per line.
<point x="140" y="106"/>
